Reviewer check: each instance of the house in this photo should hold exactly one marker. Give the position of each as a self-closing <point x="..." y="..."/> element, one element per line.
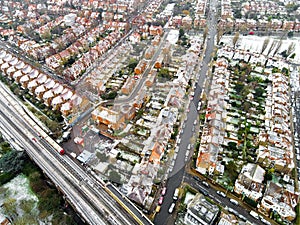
<point x="128" y="86"/>
<point x="155" y="30"/>
<point x="149" y="52"/>
<point x="112" y="119"/>
<point x="57" y="102"/>
<point x="151" y="78"/>
<point x="4" y="220"/>
<point x="201" y="211"/>
<point x="39" y="91"/>
<point x="141" y="66"/>
<point x="158" y="63"/>
<point x="280" y="200"/>
<point x="187" y="22"/>
<point x="249" y="182"/>
<point x="156" y="40"/>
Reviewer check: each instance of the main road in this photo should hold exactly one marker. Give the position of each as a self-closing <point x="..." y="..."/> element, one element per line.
<point x="91" y="199"/>
<point x="176" y="176"/>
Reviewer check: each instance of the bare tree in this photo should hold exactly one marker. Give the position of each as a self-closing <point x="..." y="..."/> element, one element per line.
<point x="220" y="32"/>
<point x="205" y="32"/>
<point x="235" y="39"/>
<point x="278" y="46"/>
<point x="265" y="45"/>
<point x="290" y="49"/>
<point x="273" y="44"/>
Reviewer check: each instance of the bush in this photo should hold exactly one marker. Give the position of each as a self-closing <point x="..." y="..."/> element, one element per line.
<point x="250" y="202"/>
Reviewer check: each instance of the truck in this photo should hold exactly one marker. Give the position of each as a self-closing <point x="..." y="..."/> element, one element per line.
<point x="176" y="194"/>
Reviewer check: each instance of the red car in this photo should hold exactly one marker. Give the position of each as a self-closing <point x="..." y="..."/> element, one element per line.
<point x="163" y="191"/>
<point x="160" y="200"/>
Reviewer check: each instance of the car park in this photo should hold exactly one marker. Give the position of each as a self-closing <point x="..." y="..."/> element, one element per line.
<point x="221" y="193"/>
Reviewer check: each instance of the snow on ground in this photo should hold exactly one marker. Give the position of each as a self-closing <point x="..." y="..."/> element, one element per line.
<point x="254" y="43"/>
<point x="18" y="189"/>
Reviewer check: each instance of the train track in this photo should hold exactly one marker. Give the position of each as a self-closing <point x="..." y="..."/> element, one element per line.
<point x="75" y="176"/>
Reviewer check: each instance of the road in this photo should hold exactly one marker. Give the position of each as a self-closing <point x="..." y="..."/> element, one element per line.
<point x="143" y="78"/>
<point x="176" y="176"/>
<point x="239" y="211"/>
<point x="90" y="198"/>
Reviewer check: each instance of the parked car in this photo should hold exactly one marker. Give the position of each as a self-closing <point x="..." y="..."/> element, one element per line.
<point x="233" y="201"/>
<point x="205" y="184"/>
<point x="160" y="200"/>
<point x="203" y="191"/>
<point x="163" y="191"/>
<point x="171" y="208"/>
<point x="176" y="194"/>
<point x="221" y="193"/>
<point x="157" y="209"/>
<point x="196" y="178"/>
<point x="254" y="214"/>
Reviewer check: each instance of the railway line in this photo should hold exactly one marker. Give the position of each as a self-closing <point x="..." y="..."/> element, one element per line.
<point x="85" y="193"/>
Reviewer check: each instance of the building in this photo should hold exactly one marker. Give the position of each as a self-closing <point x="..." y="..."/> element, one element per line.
<point x="280" y="200"/>
<point x="200" y="212"/>
<point x="249" y="182"/>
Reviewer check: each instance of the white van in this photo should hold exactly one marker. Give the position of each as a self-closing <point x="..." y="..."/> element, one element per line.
<point x="176" y="194"/>
<point x="254" y="214"/>
<point x="172" y="206"/>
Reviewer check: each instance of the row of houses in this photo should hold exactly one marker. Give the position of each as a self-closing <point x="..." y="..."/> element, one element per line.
<point x="215" y="121"/>
<point x="275" y="138"/>
<point x="52" y="93"/>
<point x="277" y="132"/>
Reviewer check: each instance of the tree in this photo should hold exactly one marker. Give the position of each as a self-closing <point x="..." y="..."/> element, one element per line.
<point x="291" y="49"/>
<point x="278" y="46"/>
<point x="132" y="63"/>
<point x="12" y="162"/>
<point x="164" y="72"/>
<point x="246" y="106"/>
<point x="273" y="44"/>
<point x="265" y="45"/>
<point x="102" y="156"/>
<point x="232" y="171"/>
<point x="269" y="174"/>
<point x="114" y="177"/>
<point x="181" y="33"/>
<point x="220" y="32"/>
<point x="235" y="39"/>
<point x="9" y="207"/>
<point x="205" y="32"/>
<point x="290" y="34"/>
<point x="232" y="145"/>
